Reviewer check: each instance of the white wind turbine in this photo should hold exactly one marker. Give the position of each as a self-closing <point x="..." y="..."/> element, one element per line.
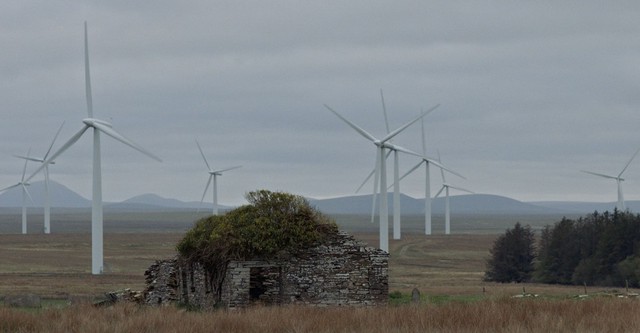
<point x="98" y="126"/>
<point x="381" y="169"/>
<point x="618" y="180"/>
<point x="396" y="180"/>
<point x="213" y="174"/>
<point x="47" y="197"/>
<point x="23" y="185"/>
<point x="427" y="187"/>
<point x="447" y="207"/>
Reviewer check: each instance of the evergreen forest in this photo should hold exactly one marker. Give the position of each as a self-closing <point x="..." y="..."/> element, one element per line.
<point x="600" y="249"/>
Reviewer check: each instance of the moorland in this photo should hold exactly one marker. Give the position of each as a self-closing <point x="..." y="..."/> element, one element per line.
<point x="447" y="270"/>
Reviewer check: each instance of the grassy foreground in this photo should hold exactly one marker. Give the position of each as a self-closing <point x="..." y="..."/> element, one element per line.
<point x="499" y="315"/>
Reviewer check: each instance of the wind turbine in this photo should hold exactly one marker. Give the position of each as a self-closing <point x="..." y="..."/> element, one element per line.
<point x="618" y="180"/>
<point x="23" y="184"/>
<point x="447" y="207"/>
<point x="381" y="168"/>
<point x="47" y="198"/>
<point x="213" y="174"/>
<point x="98" y="126"/>
<point x="427" y="187"/>
<point x="396" y="179"/>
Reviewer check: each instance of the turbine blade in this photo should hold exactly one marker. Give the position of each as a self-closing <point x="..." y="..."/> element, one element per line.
<point x="384" y="110"/>
<point x="442" y="167"/>
<point x="405" y="174"/>
<point x="24" y="169"/>
<point x="227" y="169"/>
<point x="599" y="174"/>
<point x="202" y="153"/>
<point x="411" y="170"/>
<point x="460" y="189"/>
<point x="627" y="165"/>
<point x="402" y="149"/>
<point x="87" y="75"/>
<point x="424" y="140"/>
<point x="10" y="187"/>
<point x="53" y="141"/>
<point x="440" y="192"/>
<point x="366" y="180"/>
<point x="204" y="194"/>
<point x="370" y="174"/>
<point x="352" y="125"/>
<point x="64" y="147"/>
<point x="24" y="188"/>
<point x="112" y="133"/>
<point x="32" y="159"/>
<point x="403" y="127"/>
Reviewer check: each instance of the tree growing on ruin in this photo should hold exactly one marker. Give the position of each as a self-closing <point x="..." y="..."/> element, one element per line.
<point x="272" y="223"/>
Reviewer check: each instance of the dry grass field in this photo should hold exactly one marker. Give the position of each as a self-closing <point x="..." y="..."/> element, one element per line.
<point x="447" y="270"/>
<point x="499" y="316"/>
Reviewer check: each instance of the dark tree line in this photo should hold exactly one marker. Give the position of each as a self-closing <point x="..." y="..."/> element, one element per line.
<point x="598" y="249"/>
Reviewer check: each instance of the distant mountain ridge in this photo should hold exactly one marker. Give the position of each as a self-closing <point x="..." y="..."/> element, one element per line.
<point x="483" y="204"/>
<point x="61" y="196"/>
<point x="151" y="200"/>
<point x="460" y="204"/>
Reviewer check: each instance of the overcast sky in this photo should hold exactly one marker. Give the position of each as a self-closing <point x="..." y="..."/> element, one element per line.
<point x="531" y="92"/>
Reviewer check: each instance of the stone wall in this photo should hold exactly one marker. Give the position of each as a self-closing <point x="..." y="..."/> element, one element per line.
<point x="340" y="271"/>
<point x="162" y="283"/>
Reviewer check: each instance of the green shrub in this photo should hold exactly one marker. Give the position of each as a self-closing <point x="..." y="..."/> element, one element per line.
<point x="272" y="223"/>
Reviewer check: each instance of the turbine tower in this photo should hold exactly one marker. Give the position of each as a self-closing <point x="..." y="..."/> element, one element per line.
<point x="381" y="169"/>
<point x="618" y="179"/>
<point x="447" y="207"/>
<point x="98" y="126"/>
<point x="213" y="174"/>
<point x="427" y="186"/>
<point x="25" y="193"/>
<point x="47" y="197"/>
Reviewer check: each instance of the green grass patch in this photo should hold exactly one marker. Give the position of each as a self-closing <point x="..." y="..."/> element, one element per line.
<point x="399" y="298"/>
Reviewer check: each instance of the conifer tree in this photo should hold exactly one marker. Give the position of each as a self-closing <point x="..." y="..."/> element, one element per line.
<point x="512" y="256"/>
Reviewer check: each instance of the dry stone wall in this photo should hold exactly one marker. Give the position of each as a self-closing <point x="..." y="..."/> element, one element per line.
<point x="340" y="271"/>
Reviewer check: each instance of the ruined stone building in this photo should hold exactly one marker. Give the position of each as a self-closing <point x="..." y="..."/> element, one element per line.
<point x="339" y="271"/>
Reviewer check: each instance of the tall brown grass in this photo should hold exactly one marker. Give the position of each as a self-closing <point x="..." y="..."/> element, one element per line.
<point x="498" y="315"/>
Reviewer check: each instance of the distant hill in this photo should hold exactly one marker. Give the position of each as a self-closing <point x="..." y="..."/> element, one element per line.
<point x="156" y="200"/>
<point x="61" y="196"/>
<point x="361" y="204"/>
<point x="490" y="204"/>
<point x="151" y="201"/>
<point x="461" y="204"/>
<point x="481" y="204"/>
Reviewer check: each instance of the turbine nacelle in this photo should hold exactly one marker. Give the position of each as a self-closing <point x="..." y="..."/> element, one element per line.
<point x="92" y="121"/>
<point x="219" y="172"/>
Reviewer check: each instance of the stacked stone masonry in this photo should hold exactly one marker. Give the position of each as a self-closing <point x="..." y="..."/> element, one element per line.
<point x="339" y="272"/>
